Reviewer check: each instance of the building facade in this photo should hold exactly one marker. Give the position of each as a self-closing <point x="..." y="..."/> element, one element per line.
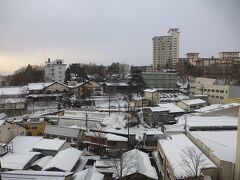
<point x="55" y="70"/>
<point x="160" y="80"/>
<point x="225" y="66"/>
<point x="216" y="91"/>
<point x="166" y="50"/>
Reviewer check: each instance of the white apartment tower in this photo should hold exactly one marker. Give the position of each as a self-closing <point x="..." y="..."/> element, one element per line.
<point x="166" y="50"/>
<point x="55" y="70"/>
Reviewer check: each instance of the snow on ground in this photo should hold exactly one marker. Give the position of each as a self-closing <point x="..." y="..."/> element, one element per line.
<point x="222" y="143"/>
<point x="115" y="121"/>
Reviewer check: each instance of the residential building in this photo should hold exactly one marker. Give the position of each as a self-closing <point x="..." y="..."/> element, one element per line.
<point x="9" y="130"/>
<point x="55" y="70"/>
<point x="50" y="147"/>
<point x="89" y="88"/>
<point x="160" y="80"/>
<point x="166" y="50"/>
<point x="191" y="104"/>
<point x="157" y="116"/>
<point x="216" y="90"/>
<point x="34" y="128"/>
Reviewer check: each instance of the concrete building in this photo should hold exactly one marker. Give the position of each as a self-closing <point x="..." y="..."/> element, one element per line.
<point x="160" y="80"/>
<point x="225" y="66"/>
<point x="216" y="91"/>
<point x="55" y="70"/>
<point x="191" y="104"/>
<point x="166" y="50"/>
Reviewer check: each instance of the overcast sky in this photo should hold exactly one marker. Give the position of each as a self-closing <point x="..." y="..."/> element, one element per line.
<point x="104" y="31"/>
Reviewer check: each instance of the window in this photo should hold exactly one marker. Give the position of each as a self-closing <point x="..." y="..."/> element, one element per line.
<point x="213" y="90"/>
<point x="221" y="91"/>
<point x="217" y="90"/>
<point x="221" y="97"/>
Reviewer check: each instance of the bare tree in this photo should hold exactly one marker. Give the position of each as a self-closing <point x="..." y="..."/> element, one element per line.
<point x="192" y="162"/>
<point x="124" y="165"/>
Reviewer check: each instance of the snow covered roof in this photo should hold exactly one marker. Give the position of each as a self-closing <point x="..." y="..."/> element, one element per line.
<point x="117" y="84"/>
<point x="64" y="160"/>
<point x="154" y="132"/>
<point x="88" y="174"/>
<point x="49" y="144"/>
<point x="138" y="162"/>
<point x="2" y="116"/>
<point x="193" y="101"/>
<point x="173" y="149"/>
<point x="216" y="107"/>
<point x="17" y="160"/>
<point x="42" y="161"/>
<point x="158" y="109"/>
<point x="15" y="90"/>
<point x="172" y="107"/>
<point x="23" y="144"/>
<point x="38" y="86"/>
<point x="2" y="121"/>
<point x="208" y="121"/>
<point x="62" y="131"/>
<point x="36" y="175"/>
<point x="113" y="137"/>
<point x="150" y="90"/>
<point x="222" y="143"/>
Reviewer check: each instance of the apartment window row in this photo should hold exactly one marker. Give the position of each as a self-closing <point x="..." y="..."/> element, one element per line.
<point x="216" y="97"/>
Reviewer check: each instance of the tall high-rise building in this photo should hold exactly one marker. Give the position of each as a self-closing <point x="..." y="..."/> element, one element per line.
<point x="55" y="70"/>
<point x="166" y="50"/>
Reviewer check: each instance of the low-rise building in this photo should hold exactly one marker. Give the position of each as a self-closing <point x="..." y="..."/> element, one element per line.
<point x="156" y="116"/>
<point x="64" y="161"/>
<point x="89" y="88"/>
<point x="191" y="104"/>
<point x="50" y="147"/>
<point x="153" y="95"/>
<point x="9" y="131"/>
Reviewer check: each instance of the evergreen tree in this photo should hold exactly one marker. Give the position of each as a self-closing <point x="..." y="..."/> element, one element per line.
<point x="67" y="75"/>
<point x="137" y="82"/>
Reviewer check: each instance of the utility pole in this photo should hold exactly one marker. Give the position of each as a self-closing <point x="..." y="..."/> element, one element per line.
<point x="128" y="134"/>
<point x="86" y="121"/>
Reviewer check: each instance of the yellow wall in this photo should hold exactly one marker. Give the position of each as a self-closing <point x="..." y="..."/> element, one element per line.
<point x="35" y="129"/>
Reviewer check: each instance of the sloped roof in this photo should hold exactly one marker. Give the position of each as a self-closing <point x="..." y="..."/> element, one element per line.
<point x="65" y="160"/>
<point x="42" y="161"/>
<point x="62" y="131"/>
<point x="139" y="162"/>
<point x="49" y="144"/>
<point x="17" y="160"/>
<point x="88" y="174"/>
<point x="193" y="101"/>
